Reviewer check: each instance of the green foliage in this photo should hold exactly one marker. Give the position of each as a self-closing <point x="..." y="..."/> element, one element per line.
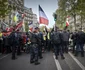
<point x="61" y="17"/>
<point x="71" y="8"/>
<point x="26" y="27"/>
<point x="5" y="8"/>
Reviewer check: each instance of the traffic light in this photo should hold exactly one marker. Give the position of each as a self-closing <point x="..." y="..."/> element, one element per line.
<point x="55" y="17"/>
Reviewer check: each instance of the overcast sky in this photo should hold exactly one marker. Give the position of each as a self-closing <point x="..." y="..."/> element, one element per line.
<point x="49" y="6"/>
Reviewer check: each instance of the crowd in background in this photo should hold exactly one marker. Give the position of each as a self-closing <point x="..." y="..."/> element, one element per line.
<point x="37" y="42"/>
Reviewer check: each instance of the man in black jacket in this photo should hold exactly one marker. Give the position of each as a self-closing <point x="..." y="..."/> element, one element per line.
<point x="14" y="42"/>
<point x="65" y="40"/>
<point x="34" y="48"/>
<point x="73" y="37"/>
<point x="80" y="40"/>
<point x="57" y="41"/>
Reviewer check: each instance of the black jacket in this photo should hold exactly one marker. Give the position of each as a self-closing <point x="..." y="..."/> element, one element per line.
<point x="80" y="37"/>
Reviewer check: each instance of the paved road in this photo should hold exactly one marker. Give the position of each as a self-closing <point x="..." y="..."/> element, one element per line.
<point x="47" y="63"/>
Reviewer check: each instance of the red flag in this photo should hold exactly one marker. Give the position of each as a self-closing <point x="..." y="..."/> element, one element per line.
<point x="18" y="25"/>
<point x="42" y="17"/>
<point x="31" y="29"/>
<point x="9" y="30"/>
<point x="67" y="23"/>
<point x="23" y="15"/>
<point x="6" y="33"/>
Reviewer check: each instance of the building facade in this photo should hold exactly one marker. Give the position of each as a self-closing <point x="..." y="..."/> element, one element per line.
<point x="78" y="23"/>
<point x="30" y="18"/>
<point x="16" y="6"/>
<point x="35" y="21"/>
<point x="29" y="15"/>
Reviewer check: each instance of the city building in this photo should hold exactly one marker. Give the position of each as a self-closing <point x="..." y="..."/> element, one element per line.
<point x="35" y="20"/>
<point x="29" y="15"/>
<point x="17" y="6"/>
<point x="18" y="9"/>
<point x="30" y="18"/>
<point x="78" y="23"/>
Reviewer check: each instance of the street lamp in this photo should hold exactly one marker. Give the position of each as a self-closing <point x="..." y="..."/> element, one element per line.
<point x="55" y="16"/>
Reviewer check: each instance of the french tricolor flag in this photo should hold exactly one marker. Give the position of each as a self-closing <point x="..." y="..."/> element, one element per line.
<point x="30" y="26"/>
<point x="42" y="17"/>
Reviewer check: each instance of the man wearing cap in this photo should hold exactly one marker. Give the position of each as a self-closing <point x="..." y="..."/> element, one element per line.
<point x="34" y="46"/>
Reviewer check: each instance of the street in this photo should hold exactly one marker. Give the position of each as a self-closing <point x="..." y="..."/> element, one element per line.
<point x="47" y="63"/>
<point x="42" y="28"/>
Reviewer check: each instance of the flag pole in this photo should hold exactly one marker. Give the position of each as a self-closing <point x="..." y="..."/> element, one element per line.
<point x="23" y="25"/>
<point x="39" y="14"/>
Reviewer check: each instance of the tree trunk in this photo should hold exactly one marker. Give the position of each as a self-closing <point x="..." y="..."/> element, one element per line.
<point x="75" y="21"/>
<point x="81" y="22"/>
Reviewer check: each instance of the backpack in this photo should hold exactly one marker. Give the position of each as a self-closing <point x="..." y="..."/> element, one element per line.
<point x="34" y="38"/>
<point x="56" y="38"/>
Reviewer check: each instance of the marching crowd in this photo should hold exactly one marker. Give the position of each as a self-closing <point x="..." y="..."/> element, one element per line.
<point x="37" y="42"/>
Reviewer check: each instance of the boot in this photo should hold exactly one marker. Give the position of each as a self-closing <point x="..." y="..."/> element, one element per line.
<point x="82" y="54"/>
<point x="41" y="57"/>
<point x="62" y="57"/>
<point x="56" y="57"/>
<point x="31" y="61"/>
<point x="76" y="53"/>
<point x="37" y="63"/>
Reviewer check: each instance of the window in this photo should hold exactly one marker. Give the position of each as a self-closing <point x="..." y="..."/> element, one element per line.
<point x="10" y="22"/>
<point x="3" y="20"/>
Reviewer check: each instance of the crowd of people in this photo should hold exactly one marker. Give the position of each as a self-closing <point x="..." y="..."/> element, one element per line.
<point x="38" y="42"/>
